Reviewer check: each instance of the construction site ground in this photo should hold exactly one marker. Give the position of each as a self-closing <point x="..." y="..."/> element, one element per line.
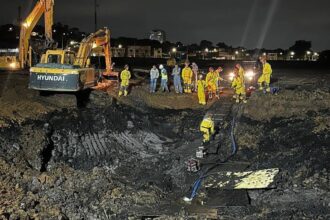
<point x="125" y="157"/>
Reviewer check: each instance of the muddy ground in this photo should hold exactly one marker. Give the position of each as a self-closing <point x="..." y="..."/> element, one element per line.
<point x="124" y="158"/>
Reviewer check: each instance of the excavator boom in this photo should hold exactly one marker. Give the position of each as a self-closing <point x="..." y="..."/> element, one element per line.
<point x="42" y="7"/>
<point x="101" y="38"/>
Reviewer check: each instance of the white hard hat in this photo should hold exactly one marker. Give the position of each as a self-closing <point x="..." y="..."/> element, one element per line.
<point x="161" y="66"/>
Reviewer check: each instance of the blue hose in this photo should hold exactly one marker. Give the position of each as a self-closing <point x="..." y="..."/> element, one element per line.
<point x="196" y="187"/>
<point x="198" y="182"/>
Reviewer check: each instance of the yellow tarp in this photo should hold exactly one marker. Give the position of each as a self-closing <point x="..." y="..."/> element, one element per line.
<point x="259" y="179"/>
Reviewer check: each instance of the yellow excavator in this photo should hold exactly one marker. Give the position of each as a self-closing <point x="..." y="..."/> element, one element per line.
<point x="65" y="71"/>
<point x="24" y="59"/>
<point x="45" y="7"/>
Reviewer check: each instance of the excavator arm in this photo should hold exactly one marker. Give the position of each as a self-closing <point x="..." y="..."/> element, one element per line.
<point x="42" y="7"/>
<point x="101" y="38"/>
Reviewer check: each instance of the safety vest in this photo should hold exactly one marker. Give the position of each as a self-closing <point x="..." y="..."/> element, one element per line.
<point x="187" y="73"/>
<point x="267" y="69"/>
<point x="238" y="83"/>
<point x="201" y="84"/>
<point x="207" y="123"/>
<point x="212" y="77"/>
<point x="125" y="75"/>
<point x="164" y="74"/>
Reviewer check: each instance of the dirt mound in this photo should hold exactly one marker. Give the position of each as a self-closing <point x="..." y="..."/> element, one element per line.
<point x="124" y="158"/>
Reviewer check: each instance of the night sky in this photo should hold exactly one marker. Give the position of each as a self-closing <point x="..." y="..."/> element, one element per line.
<point x="250" y="23"/>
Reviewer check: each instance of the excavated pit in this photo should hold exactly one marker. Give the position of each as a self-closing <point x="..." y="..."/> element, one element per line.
<point x="109" y="160"/>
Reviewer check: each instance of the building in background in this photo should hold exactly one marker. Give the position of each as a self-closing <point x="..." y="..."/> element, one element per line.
<point x="118" y="51"/>
<point x="272" y="56"/>
<point x="158" y="53"/>
<point x="158" y="35"/>
<point x="139" y="51"/>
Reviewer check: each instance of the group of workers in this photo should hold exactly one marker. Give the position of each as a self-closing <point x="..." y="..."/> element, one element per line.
<point x="186" y="74"/>
<point x="238" y="83"/>
<point x="194" y="82"/>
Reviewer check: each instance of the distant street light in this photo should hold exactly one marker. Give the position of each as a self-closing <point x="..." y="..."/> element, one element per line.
<point x="264" y="54"/>
<point x="236" y="52"/>
<point x="174" y="50"/>
<point x="292" y="53"/>
<point x="63" y="35"/>
<point x="206" y="50"/>
<point x="308" y="53"/>
<point x="281" y="53"/>
<point x="120" y="46"/>
<point x="10" y="29"/>
<point x="316" y="54"/>
<point x="215" y="50"/>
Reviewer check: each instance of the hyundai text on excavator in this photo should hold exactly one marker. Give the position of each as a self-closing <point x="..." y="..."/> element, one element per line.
<point x="65" y="71"/>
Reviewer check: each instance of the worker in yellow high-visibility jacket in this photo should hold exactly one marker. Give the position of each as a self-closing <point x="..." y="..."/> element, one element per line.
<point x="187" y="74"/>
<point x="241" y="71"/>
<point x="201" y="85"/>
<point x="239" y="86"/>
<point x="211" y="81"/>
<point x="125" y="76"/>
<point x="207" y="128"/>
<point x="266" y="74"/>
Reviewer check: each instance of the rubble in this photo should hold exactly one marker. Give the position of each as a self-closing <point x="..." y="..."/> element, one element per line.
<point x="114" y="161"/>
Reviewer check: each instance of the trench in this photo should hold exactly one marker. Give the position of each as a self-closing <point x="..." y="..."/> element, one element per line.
<point x="46" y="154"/>
<point x="143" y="153"/>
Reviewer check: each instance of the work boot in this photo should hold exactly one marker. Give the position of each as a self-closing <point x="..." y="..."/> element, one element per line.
<point x="125" y="93"/>
<point x="267" y="88"/>
<point x="237" y="100"/>
<point x="234" y="96"/>
<point x="244" y="101"/>
<point x="120" y="93"/>
<point x="260" y="87"/>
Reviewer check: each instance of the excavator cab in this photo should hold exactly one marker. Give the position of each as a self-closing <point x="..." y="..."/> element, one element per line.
<point x="58" y="57"/>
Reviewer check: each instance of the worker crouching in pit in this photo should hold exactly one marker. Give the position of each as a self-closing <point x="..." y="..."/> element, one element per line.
<point x="207" y="128"/>
<point x="125" y="76"/>
<point x="238" y="85"/>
